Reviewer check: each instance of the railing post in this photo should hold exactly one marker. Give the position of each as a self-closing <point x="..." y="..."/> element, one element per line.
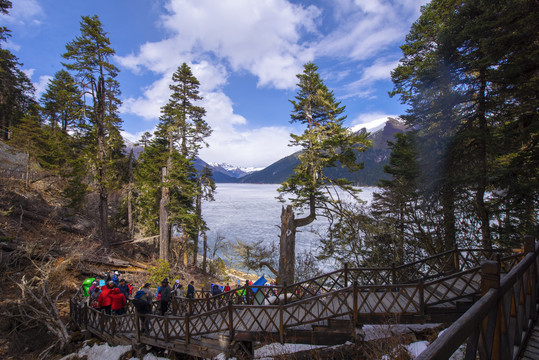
<point x="187" y="339"/>
<point x="166" y="328"/>
<point x="490" y="276"/>
<point x="230" y="321"/>
<point x="137" y="326"/>
<point x="421" y="290"/>
<point x="345" y="274"/>
<point x="102" y="321"/>
<point x="529" y="247"/>
<point x="393" y="273"/>
<point x="85" y="317"/>
<point x="284" y="292"/>
<point x="529" y="244"/>
<point x="355" y="306"/>
<point x="281" y="323"/>
<point x="490" y="340"/>
<point x="456" y="258"/>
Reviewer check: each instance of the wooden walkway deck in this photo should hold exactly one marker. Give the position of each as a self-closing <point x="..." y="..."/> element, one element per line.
<point x="531" y="348"/>
<point x="326" y="310"/>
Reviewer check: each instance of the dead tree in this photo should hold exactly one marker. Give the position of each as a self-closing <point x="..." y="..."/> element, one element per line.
<point x="36" y="305"/>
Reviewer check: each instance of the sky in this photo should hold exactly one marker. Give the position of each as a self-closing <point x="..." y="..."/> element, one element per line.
<point x="245" y="53"/>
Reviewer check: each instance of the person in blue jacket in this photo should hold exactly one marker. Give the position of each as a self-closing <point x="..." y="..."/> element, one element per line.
<point x="116" y="278"/>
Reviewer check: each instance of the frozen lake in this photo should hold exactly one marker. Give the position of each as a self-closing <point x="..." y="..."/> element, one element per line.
<point x="251" y="212"/>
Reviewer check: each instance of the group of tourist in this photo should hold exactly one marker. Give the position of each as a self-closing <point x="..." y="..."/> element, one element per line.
<point x="110" y="294"/>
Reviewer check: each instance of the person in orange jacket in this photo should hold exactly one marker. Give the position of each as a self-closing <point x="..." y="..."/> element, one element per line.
<point x="118" y="302"/>
<point x="105" y="301"/>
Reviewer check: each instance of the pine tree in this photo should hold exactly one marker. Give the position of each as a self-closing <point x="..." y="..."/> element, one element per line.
<point x="89" y="56"/>
<point x="467" y="73"/>
<point x="184" y="129"/>
<point x="16" y="89"/>
<point x="325" y="143"/>
<point x="61" y="102"/>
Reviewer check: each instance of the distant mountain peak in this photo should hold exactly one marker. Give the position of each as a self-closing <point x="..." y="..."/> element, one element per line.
<point x="379" y="124"/>
<point x="232" y="170"/>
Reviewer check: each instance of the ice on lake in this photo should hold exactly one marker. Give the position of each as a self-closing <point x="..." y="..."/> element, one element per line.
<point x="251" y="213"/>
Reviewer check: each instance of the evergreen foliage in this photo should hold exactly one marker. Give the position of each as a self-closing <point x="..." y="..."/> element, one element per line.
<point x="325" y="144"/>
<point x="89" y="58"/>
<point x="16" y="89"/>
<point x="169" y="187"/>
<point x="467" y="74"/>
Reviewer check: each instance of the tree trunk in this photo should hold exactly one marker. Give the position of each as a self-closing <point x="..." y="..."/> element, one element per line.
<point x="287" y="256"/>
<point x="482" y="210"/>
<point x="130" y="223"/>
<point x="185" y="240"/>
<point x="448" y="208"/>
<point x="27" y="175"/>
<point x="204" y="252"/>
<point x="101" y="155"/>
<point x="199" y="216"/>
<point x="164" y="233"/>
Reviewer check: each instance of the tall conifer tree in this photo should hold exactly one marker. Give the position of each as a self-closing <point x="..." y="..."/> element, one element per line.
<point x="89" y="55"/>
<point x="184" y="129"/>
<point x="325" y="143"/>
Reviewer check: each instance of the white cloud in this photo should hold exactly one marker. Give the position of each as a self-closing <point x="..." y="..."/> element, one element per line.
<point x="261" y="37"/>
<point x="380" y="70"/>
<point x="270" y="40"/>
<point x="24" y="12"/>
<point x="259" y="147"/>
<point x="136" y="136"/>
<point x="367" y="27"/>
<point x="41" y="85"/>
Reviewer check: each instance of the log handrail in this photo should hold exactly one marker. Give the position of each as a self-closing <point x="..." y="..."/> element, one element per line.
<point x="496" y="324"/>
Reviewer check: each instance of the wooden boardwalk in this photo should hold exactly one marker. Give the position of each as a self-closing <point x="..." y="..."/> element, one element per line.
<point x="326" y="310"/>
<point x="531" y="349"/>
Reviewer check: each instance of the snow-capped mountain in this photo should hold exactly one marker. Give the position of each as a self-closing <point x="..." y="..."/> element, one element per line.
<point x="232" y="170"/>
<point x="374" y="158"/>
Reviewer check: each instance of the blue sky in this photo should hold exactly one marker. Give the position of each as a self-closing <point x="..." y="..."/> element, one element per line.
<point x="245" y="53"/>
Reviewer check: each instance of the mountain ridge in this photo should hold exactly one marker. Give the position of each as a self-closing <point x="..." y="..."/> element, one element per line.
<point x="373" y="158"/>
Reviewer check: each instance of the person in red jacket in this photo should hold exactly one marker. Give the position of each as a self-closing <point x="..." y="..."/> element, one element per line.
<point x="118" y="302"/>
<point x="105" y="301"/>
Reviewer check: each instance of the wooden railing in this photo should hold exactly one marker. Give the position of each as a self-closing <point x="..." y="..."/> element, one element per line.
<point x="437" y="276"/>
<point x="497" y="325"/>
<point x="409" y="292"/>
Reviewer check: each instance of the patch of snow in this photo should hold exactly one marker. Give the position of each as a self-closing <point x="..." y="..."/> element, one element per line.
<point x="101" y="352"/>
<point x="371" y="126"/>
<point x="417" y="348"/>
<point x="373" y="332"/>
<point x="150" y="356"/>
<point x="276" y="349"/>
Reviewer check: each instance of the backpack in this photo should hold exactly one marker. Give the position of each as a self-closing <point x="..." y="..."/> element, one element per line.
<point x="142" y="306"/>
<point x="94" y="300"/>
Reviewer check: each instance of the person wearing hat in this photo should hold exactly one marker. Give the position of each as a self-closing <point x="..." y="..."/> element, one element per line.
<point x="191" y="290"/>
<point x="124" y="288"/>
<point x="142" y="307"/>
<point x="166" y="293"/>
<point x="147" y="292"/>
<point x="116" y="278"/>
<point x="177" y="289"/>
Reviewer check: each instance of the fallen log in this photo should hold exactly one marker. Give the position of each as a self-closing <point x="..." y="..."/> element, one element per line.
<point x="111" y="262"/>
